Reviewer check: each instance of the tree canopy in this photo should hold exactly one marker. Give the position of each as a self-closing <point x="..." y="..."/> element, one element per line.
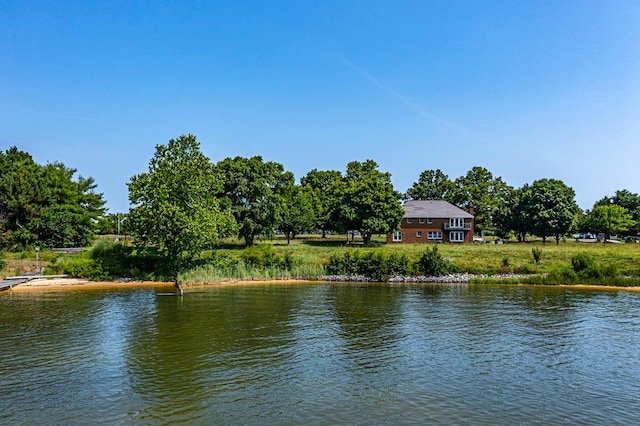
<point x="45" y="204"/>
<point x="609" y="219"/>
<point x="254" y="190"/>
<point x="629" y="201"/>
<point x="300" y="205"/>
<point x="432" y="185"/>
<point x="369" y="202"/>
<point x="548" y="207"/>
<point x="487" y="193"/>
<point x="326" y="185"/>
<point x="174" y="206"/>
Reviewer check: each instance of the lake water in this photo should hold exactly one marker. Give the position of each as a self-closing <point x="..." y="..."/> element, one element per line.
<point x="321" y="354"/>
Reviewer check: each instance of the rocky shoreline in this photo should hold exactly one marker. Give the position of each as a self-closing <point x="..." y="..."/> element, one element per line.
<point x="444" y="279"/>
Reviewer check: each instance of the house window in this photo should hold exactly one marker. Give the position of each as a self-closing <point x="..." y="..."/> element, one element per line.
<point x="421" y="220"/>
<point x="434" y="235"/>
<point x="429" y="220"/>
<point x="456" y="222"/>
<point x="409" y="220"/>
<point x="397" y="236"/>
<point x="419" y="234"/>
<point x="456" y="236"/>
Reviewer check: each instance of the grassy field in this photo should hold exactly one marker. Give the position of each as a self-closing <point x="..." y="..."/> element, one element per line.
<point x="308" y="256"/>
<point x="472" y="258"/>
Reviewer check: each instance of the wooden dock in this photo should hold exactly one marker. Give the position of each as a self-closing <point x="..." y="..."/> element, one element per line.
<point x="10" y="282"/>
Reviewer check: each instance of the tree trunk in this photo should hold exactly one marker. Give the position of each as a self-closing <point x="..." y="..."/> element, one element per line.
<point x="324" y="234"/>
<point x="288" y="238"/>
<point x="557" y="240"/>
<point x="544" y="240"/>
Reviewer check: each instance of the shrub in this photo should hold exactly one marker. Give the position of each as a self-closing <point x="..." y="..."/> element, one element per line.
<point x="564" y="274"/>
<point x="113" y="258"/>
<point x="80" y="267"/>
<point x="585" y="266"/>
<point x="524" y="269"/>
<point x="3" y="263"/>
<point x="537" y="254"/>
<point x="260" y="255"/>
<point x="432" y="263"/>
<point x="582" y="262"/>
<point x="376" y="265"/>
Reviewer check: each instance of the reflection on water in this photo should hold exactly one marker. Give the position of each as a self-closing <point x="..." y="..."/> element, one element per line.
<point x="340" y="353"/>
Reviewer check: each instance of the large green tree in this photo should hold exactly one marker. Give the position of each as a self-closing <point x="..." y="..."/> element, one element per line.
<point x="487" y="193"/>
<point x="548" y="206"/>
<point x="174" y="206"/>
<point x="432" y="185"/>
<point x="326" y="185"/>
<point x="254" y="191"/>
<point x="45" y="204"/>
<point x="609" y="219"/>
<point x="299" y="213"/>
<point x="627" y="199"/>
<point x="369" y="203"/>
<point x="510" y="217"/>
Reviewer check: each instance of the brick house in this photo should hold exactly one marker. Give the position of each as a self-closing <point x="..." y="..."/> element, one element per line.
<point x="431" y="221"/>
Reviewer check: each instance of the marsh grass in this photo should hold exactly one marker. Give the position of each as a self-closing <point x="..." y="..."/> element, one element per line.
<point x="243" y="272"/>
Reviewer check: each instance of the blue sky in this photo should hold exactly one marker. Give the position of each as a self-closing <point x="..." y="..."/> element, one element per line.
<point x="529" y="90"/>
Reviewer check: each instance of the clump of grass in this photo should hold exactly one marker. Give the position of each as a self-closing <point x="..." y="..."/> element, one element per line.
<point x="537" y="254"/>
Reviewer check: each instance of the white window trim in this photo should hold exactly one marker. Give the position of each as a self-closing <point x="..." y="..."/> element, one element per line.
<point x="421" y="220"/>
<point x="429" y="220"/>
<point x="419" y="234"/>
<point x="397" y="236"/>
<point x="409" y="220"/>
<point x="454" y="234"/>
<point x="434" y="235"/>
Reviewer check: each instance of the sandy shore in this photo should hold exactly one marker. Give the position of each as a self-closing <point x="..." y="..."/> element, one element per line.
<point x="60" y="284"/>
<point x="69" y="284"/>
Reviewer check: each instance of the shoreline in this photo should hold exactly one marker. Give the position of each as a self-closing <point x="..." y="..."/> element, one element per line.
<point x="72" y="284"/>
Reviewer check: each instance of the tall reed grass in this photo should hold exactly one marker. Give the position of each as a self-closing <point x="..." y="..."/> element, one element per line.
<point x="242" y="271"/>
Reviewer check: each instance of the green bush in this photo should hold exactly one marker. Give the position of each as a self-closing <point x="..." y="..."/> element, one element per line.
<point x="113" y="258"/>
<point x="524" y="269"/>
<point x="537" y="254"/>
<point x="564" y="274"/>
<point x="585" y="266"/>
<point x="262" y="255"/>
<point x="80" y="267"/>
<point x="221" y="261"/>
<point x="3" y="262"/>
<point x="377" y="265"/>
<point x="432" y="263"/>
<point x="582" y="262"/>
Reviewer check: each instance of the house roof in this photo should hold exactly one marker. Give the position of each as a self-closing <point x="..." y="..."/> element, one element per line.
<point x="437" y="209"/>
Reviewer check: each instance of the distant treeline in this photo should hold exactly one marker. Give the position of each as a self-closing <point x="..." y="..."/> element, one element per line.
<point x="185" y="203"/>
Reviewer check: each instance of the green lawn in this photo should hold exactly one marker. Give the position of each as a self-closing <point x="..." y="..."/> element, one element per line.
<point x="474" y="258"/>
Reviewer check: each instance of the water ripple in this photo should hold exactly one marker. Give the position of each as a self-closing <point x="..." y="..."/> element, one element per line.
<point x="321" y="354"/>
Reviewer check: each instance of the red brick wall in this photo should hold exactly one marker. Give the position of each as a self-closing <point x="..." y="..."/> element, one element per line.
<point x="409" y="231"/>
